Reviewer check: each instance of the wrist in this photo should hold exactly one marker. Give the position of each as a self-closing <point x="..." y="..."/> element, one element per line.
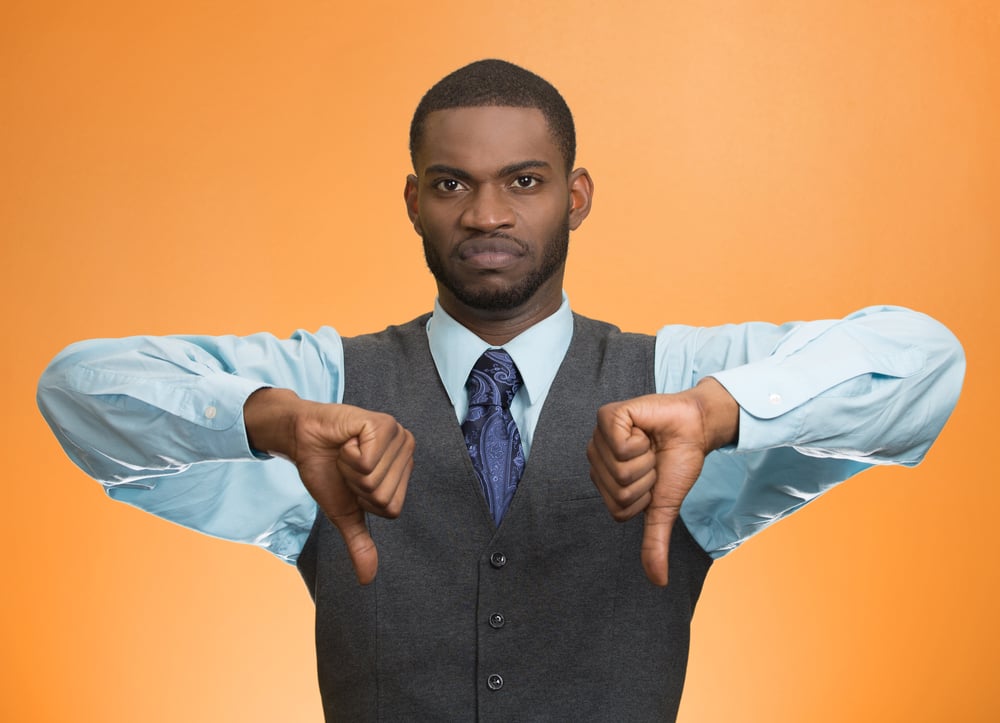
<point x="269" y="415"/>
<point x="720" y="413"/>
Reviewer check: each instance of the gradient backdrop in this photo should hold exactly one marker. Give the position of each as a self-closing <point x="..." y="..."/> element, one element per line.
<point x="238" y="166"/>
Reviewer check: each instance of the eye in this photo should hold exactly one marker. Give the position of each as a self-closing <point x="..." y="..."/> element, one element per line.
<point x="448" y="185"/>
<point x="526" y="182"/>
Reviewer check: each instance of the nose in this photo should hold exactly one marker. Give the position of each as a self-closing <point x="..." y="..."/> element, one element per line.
<point x="488" y="209"/>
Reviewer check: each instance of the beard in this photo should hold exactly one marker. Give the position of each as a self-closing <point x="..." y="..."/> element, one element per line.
<point x="553" y="257"/>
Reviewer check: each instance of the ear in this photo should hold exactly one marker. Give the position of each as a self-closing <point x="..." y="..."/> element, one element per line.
<point x="581" y="194"/>
<point x="412" y="205"/>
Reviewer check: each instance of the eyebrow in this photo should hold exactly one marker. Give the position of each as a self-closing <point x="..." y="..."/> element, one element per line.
<point x="522" y="166"/>
<point x="508" y="170"/>
<point x="448" y="171"/>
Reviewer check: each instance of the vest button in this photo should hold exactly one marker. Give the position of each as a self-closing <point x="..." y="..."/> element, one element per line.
<point x="498" y="560"/>
<point x="497" y="621"/>
<point x="495" y="682"/>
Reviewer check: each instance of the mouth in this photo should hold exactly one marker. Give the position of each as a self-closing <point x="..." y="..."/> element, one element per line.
<point x="491" y="253"/>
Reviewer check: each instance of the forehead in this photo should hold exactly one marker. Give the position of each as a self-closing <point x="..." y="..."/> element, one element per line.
<point x="486" y="137"/>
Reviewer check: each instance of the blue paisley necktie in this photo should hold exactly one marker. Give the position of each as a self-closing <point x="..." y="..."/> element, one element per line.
<point x="490" y="433"/>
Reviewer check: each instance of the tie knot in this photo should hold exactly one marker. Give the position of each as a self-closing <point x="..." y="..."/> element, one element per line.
<point x="494" y="380"/>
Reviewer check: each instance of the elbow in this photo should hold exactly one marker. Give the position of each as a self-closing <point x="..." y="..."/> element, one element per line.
<point x="61" y="376"/>
<point x="62" y="404"/>
<point x="944" y="369"/>
<point x="53" y="384"/>
<point x="948" y="368"/>
<point x="940" y="386"/>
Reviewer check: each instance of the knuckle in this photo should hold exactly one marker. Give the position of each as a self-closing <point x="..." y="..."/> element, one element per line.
<point x="621" y="514"/>
<point x="366" y="483"/>
<point x="381" y="496"/>
<point x="627" y="474"/>
<point x="596" y="479"/>
<point x="366" y="468"/>
<point x="622" y="496"/>
<point x="606" y="414"/>
<point x="622" y="477"/>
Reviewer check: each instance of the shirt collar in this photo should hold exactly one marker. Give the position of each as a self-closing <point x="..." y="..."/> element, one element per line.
<point x="537" y="352"/>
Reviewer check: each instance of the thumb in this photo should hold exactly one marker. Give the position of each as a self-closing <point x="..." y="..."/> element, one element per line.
<point x="338" y="503"/>
<point x="659" y="524"/>
<point x="360" y="545"/>
<point x="676" y="471"/>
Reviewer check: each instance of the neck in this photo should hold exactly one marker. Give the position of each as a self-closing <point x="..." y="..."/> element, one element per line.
<point x="498" y="327"/>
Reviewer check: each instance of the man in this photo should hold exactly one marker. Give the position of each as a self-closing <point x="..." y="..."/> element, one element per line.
<point x="466" y="564"/>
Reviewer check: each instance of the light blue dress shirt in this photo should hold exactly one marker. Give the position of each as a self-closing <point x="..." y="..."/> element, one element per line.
<point x="159" y="420"/>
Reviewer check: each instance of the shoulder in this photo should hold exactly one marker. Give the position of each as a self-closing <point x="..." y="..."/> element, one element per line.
<point x="614" y="346"/>
<point x="387" y="346"/>
<point x="584" y="327"/>
<point x="390" y="334"/>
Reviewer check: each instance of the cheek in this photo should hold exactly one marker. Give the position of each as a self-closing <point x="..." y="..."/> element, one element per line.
<point x="433" y="219"/>
<point x="554" y="216"/>
<point x="435" y="231"/>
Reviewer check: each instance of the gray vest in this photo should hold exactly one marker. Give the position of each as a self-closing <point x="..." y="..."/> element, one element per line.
<point x="549" y="616"/>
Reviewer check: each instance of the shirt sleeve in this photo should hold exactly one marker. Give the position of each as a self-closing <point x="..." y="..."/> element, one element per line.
<point x="819" y="402"/>
<point x="158" y="421"/>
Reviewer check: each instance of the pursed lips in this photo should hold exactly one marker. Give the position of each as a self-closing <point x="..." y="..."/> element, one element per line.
<point x="493" y="252"/>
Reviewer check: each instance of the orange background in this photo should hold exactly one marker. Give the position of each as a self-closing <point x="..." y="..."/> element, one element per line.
<point x="238" y="166"/>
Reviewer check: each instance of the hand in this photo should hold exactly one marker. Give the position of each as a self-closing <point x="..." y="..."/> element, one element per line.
<point x="350" y="460"/>
<point x="647" y="453"/>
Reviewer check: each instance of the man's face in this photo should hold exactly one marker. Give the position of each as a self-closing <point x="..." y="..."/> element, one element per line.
<point x="494" y="205"/>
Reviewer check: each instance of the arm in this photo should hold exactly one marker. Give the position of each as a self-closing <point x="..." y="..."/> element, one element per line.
<point x="159" y="422"/>
<point x="818" y="402"/>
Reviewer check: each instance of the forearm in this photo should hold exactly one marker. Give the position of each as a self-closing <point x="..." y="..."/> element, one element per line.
<point x="876" y="388"/>
<point x="122" y="413"/>
<point x="129" y="408"/>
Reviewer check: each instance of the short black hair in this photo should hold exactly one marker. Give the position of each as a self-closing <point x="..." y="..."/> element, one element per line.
<point x="498" y="83"/>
